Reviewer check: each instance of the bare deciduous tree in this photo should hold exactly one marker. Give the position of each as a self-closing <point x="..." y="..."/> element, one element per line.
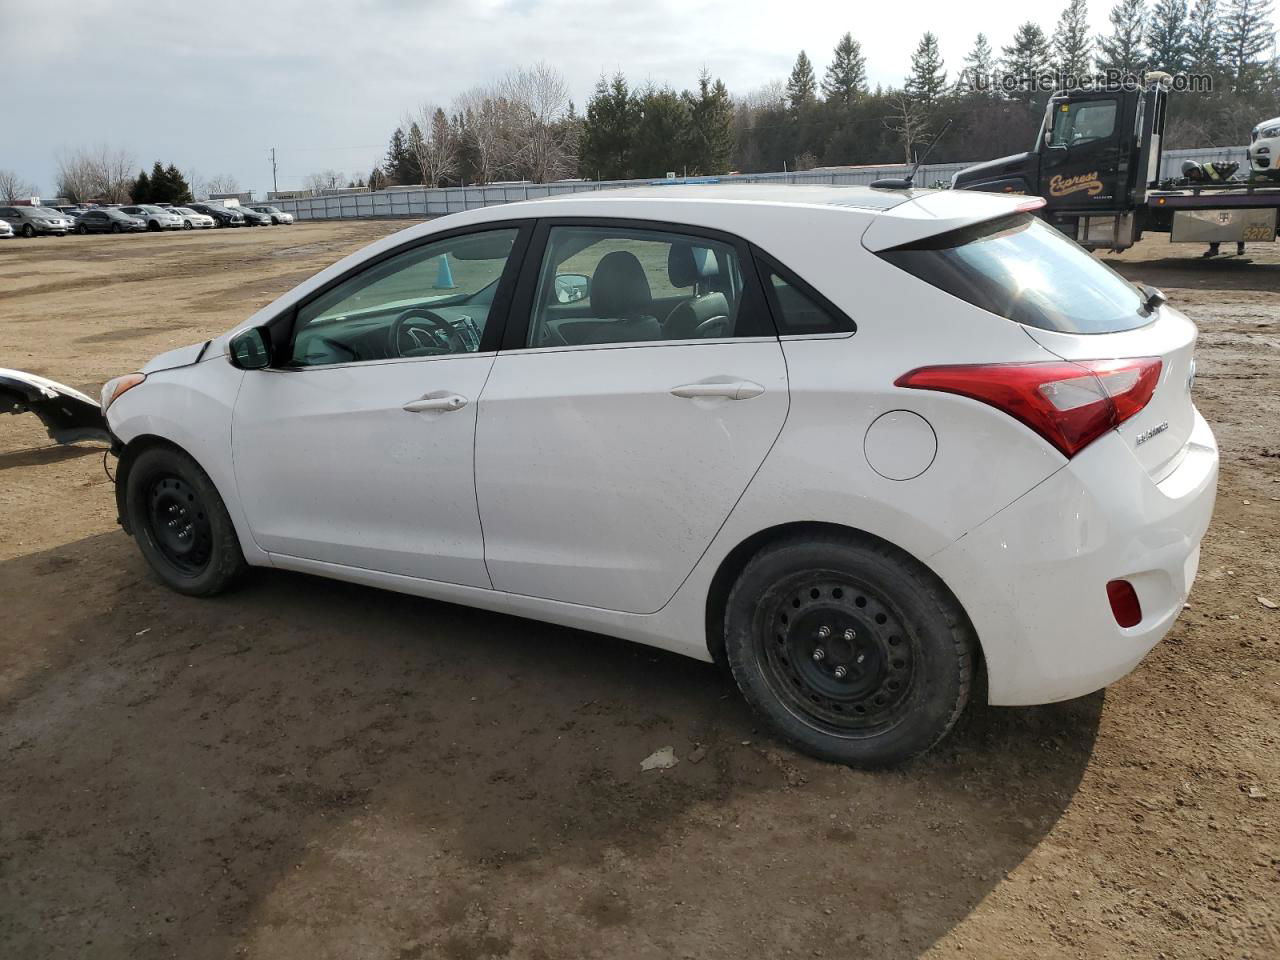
<point x="909" y="122"/>
<point x="223" y="183"/>
<point x="546" y="145"/>
<point x="318" y="183"/>
<point x="103" y="173"/>
<point x="434" y="147"/>
<point x="13" y="187"/>
<point x="490" y="125"/>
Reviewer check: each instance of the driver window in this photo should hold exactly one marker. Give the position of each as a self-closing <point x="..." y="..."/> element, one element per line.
<point x="427" y="301"/>
<point x="1083" y="120"/>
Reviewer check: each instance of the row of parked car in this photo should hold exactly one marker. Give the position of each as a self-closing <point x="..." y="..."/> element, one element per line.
<point x="136" y="218"/>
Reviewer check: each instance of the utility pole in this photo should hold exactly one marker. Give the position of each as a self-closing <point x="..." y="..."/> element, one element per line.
<point x="275" y="187"/>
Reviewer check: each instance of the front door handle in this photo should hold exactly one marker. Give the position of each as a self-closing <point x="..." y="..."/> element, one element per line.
<point x="728" y="389"/>
<point x="446" y="403"/>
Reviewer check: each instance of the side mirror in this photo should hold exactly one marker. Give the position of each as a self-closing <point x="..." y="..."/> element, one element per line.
<point x="572" y="287"/>
<point x="250" y="349"/>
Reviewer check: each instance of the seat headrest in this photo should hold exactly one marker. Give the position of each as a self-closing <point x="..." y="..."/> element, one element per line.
<point x="619" y="287"/>
<point x="687" y="264"/>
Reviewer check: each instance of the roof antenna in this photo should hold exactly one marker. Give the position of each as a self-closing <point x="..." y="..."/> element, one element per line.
<point x="907" y="182"/>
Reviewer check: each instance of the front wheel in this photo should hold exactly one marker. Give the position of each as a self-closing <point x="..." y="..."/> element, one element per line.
<point x="186" y="224"/>
<point x="181" y="524"/>
<point x="82" y="230"/>
<point x="852" y="650"/>
<point x="28" y="231"/>
<point x="116" y="228"/>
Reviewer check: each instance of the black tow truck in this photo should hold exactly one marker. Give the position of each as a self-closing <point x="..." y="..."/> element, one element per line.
<point x="1096" y="163"/>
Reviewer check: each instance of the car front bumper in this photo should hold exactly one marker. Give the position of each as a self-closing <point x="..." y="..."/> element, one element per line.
<point x="1033" y="577"/>
<point x="1264" y="155"/>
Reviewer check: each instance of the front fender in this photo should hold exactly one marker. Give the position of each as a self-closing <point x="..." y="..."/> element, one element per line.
<point x="189" y="407"/>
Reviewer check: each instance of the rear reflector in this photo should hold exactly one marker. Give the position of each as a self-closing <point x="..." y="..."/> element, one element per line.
<point x="1069" y="403"/>
<point x="1124" y="603"/>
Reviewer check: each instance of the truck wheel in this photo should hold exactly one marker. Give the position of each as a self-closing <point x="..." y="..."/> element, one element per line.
<point x="850" y="648"/>
<point x="181" y="524"/>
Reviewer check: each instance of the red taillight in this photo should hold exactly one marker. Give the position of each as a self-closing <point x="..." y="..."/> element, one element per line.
<point x="1124" y="603"/>
<point x="1069" y="403"/>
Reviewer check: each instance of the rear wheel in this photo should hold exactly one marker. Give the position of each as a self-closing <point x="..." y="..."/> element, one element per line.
<point x="852" y="650"/>
<point x="116" y="228"/>
<point x="181" y="523"/>
<point x="82" y="229"/>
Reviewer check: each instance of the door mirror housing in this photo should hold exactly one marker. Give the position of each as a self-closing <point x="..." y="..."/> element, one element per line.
<point x="250" y="349"/>
<point x="572" y="287"/>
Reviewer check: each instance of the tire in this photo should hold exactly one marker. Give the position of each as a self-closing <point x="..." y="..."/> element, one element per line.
<point x="904" y="644"/>
<point x="217" y="222"/>
<point x="153" y="227"/>
<point x="116" y="228"/>
<point x="201" y="555"/>
<point x="82" y="230"/>
<point x="186" y="224"/>
<point x="28" y="231"/>
<point x="275" y="221"/>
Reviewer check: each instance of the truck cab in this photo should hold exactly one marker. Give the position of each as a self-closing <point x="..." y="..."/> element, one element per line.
<point x="1095" y="156"/>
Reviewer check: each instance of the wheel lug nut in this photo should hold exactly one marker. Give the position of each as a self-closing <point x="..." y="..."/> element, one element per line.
<point x="824" y="632"/>
<point x="861" y="657"/>
<point x="849" y="634"/>
<point x="841" y="672"/>
<point x="819" y="655"/>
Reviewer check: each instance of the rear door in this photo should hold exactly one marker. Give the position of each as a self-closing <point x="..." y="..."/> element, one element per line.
<point x="612" y="443"/>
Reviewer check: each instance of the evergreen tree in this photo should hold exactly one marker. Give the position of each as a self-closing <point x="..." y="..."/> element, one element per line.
<point x="1072" y="46"/>
<point x="846" y="76"/>
<point x="928" y="78"/>
<point x="179" y="189"/>
<point x="609" y="131"/>
<point x="416" y="147"/>
<point x="1247" y="33"/>
<point x="710" y="126"/>
<point x="377" y="179"/>
<point x="979" y="66"/>
<point x="1026" y="58"/>
<point x="801" y="86"/>
<point x="400" y="165"/>
<point x="1204" y="36"/>
<point x="1167" y="36"/>
<point x="661" y="142"/>
<point x="140" y="192"/>
<point x="1125" y="49"/>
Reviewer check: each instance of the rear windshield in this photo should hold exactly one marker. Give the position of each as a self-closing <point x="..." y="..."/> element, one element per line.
<point x="1022" y="269"/>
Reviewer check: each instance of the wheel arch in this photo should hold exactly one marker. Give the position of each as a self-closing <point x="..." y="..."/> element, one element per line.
<point x="736" y="560"/>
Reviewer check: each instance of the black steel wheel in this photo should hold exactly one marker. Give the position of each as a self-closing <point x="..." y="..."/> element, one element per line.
<point x="853" y="650"/>
<point x="836" y="653"/>
<point x="180" y="522"/>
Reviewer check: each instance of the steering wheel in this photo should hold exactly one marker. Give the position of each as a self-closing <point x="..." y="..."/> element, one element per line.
<point x="427" y="331"/>
<point x="713" y="327"/>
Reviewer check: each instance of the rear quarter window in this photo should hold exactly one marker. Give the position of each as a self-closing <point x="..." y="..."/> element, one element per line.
<point x="1024" y="270"/>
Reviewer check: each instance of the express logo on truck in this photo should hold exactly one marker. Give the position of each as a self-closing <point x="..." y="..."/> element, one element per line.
<point x="1060" y="186"/>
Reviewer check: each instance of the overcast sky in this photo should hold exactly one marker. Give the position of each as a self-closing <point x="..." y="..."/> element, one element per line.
<point x="213" y="86"/>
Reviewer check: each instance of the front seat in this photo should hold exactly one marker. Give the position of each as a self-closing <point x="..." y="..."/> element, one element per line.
<point x="706" y="313"/>
<point x="620" y="293"/>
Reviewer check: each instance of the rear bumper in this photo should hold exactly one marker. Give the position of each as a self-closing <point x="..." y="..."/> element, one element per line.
<point x="1033" y="577"/>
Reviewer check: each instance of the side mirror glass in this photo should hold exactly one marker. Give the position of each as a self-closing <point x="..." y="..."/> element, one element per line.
<point x="250" y="349"/>
<point x="572" y="287"/>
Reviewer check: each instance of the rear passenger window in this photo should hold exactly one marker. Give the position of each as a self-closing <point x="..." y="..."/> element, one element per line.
<point x="601" y="285"/>
<point x="797" y="311"/>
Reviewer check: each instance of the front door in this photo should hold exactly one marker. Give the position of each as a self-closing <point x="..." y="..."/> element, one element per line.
<point x="357" y="450"/>
<point x="1080" y="160"/>
<point x="614" y="440"/>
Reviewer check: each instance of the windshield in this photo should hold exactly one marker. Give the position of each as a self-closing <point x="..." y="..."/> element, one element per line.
<point x="46" y="212"/>
<point x="1024" y="270"/>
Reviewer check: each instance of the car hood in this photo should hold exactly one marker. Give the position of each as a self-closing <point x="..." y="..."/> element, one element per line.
<point x="181" y="357"/>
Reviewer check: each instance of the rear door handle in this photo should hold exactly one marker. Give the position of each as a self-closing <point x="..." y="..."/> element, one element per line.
<point x="447" y="403"/>
<point x="728" y="389"/>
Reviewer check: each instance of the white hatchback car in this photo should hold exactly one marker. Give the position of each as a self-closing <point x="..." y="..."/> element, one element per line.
<point x="859" y="444"/>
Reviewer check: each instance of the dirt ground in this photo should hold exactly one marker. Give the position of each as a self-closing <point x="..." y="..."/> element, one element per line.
<point x="308" y="769"/>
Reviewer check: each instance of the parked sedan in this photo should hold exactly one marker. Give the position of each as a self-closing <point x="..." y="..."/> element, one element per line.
<point x="156" y="218"/>
<point x="109" y="220"/>
<point x="191" y="220"/>
<point x="33" y="221"/>
<point x="253" y="218"/>
<point x="221" y="216"/>
<point x="859" y="445"/>
<point x="275" y="213"/>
